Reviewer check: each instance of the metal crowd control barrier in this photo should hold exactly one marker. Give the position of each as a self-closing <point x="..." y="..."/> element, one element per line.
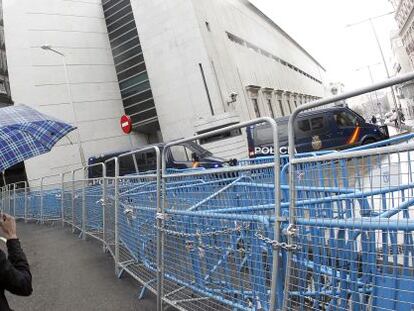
<point x="213" y="260"/>
<point x="316" y="231"/>
<point x="354" y="247"/>
<point x="138" y="245"/>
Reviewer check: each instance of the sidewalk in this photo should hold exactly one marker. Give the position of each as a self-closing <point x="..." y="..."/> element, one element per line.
<point x="71" y="274"/>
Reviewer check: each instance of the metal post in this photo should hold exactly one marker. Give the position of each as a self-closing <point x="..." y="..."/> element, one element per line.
<point x="62" y="201"/>
<point x="84" y="216"/>
<point x="14" y="200"/>
<point x="160" y="233"/>
<point x="394" y="97"/>
<point x="25" y="201"/>
<point x="116" y="210"/>
<point x="41" y="200"/>
<point x="73" y="201"/>
<point x="103" y="206"/>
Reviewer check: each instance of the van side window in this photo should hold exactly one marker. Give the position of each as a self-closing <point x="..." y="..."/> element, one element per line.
<point x="317" y="123"/>
<point x="304" y="125"/>
<point x="180" y="153"/>
<point x="345" y="119"/>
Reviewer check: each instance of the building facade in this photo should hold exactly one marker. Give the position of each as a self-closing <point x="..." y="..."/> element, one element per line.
<point x="5" y="95"/>
<point x="177" y="68"/>
<point x="402" y="44"/>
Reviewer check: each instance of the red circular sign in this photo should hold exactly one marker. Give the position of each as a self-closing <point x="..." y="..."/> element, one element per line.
<point x="126" y="124"/>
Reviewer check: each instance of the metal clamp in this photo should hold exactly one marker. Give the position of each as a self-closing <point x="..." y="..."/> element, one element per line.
<point x="291" y="230"/>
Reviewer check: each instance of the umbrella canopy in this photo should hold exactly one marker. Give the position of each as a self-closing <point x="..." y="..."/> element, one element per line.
<point x="26" y="133"/>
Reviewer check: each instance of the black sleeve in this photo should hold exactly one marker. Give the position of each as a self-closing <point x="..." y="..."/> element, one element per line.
<point x="15" y="274"/>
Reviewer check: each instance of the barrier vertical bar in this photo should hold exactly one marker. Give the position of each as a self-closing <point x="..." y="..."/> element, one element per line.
<point x="25" y="201"/>
<point x="41" y="200"/>
<point x="160" y="234"/>
<point x="62" y="202"/>
<point x="116" y="209"/>
<point x="103" y="205"/>
<point x="14" y="200"/>
<point x="84" y="215"/>
<point x="73" y="201"/>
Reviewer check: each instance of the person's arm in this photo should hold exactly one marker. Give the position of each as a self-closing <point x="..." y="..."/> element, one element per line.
<point x="15" y="274"/>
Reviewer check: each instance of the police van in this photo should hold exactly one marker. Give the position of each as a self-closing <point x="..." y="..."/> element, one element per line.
<point x="181" y="156"/>
<point x="333" y="128"/>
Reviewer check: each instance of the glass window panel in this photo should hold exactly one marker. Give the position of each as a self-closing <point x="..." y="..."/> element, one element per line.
<point x="134" y="80"/>
<point x="129" y="63"/>
<point x="129" y="35"/>
<point x="136" y="89"/>
<point x="142" y="116"/>
<point x="115" y="17"/>
<point x="147" y="104"/>
<point x="304" y="125"/>
<point x="317" y="123"/>
<point x="109" y="10"/>
<point x="120" y="22"/>
<point x="138" y="98"/>
<point x="131" y="72"/>
<point x="128" y="54"/>
<point x="129" y="26"/>
<point x="124" y="47"/>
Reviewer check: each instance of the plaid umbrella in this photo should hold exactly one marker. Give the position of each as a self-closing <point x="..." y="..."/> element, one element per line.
<point x="26" y="133"/>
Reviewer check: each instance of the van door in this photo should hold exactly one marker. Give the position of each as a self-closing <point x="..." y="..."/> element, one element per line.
<point x="348" y="132"/>
<point x="313" y="133"/>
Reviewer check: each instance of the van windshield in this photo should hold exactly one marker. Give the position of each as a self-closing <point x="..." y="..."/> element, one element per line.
<point x="262" y="134"/>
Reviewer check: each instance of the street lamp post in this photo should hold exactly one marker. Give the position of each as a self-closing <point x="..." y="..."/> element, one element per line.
<point x="371" y="23"/>
<point x="65" y="68"/>
<point x="378" y="104"/>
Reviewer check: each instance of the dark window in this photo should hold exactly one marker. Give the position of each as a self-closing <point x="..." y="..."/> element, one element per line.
<point x="235" y="39"/>
<point x="121" y="22"/>
<point x="281" y="107"/>
<point x="129" y="63"/>
<point x="132" y="72"/>
<point x="109" y="3"/>
<point x="221" y="136"/>
<point x="345" y="119"/>
<point x="119" y="32"/>
<point x="146" y="104"/>
<point x="109" y="10"/>
<point x="144" y="115"/>
<point x="269" y="103"/>
<point x="135" y="89"/>
<point x="117" y="16"/>
<point x="208" y="26"/>
<point x="138" y="98"/>
<point x="304" y="125"/>
<point x="129" y="35"/>
<point x="317" y="123"/>
<point x="128" y="54"/>
<point x="256" y="107"/>
<point x="134" y="80"/>
<point x="125" y="47"/>
<point x="263" y="134"/>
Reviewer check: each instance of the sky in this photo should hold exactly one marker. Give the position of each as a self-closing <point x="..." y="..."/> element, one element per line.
<point x="320" y="27"/>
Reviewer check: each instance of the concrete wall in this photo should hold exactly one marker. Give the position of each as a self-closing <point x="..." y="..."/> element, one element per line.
<point x="176" y="39"/>
<point x="77" y="29"/>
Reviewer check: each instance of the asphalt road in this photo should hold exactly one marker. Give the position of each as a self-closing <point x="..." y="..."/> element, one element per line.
<point x="71" y="274"/>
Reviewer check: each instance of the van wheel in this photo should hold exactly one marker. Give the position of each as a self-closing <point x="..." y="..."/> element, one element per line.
<point x="368" y="141"/>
